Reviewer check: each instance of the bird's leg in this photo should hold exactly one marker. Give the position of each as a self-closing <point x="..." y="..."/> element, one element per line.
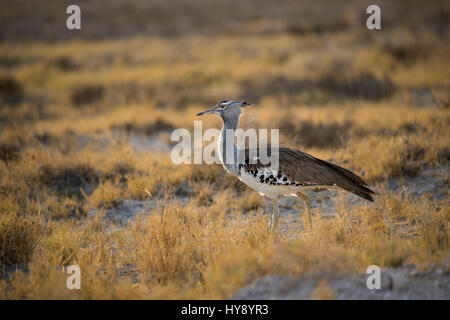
<point x="267" y="211"/>
<point x="266" y="205"/>
<point x="308" y="208"/>
<point x="275" y="215"/>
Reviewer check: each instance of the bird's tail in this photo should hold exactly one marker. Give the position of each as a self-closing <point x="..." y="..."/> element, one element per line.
<point x="362" y="191"/>
<point x="351" y="182"/>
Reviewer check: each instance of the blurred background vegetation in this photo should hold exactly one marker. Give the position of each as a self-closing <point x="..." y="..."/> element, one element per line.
<point x="196" y="52"/>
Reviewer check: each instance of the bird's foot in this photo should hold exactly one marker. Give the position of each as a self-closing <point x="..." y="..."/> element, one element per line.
<point x="272" y="228"/>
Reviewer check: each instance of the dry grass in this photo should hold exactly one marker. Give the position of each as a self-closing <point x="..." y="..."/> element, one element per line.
<point x="78" y="118"/>
<point x="183" y="251"/>
<point x="323" y="292"/>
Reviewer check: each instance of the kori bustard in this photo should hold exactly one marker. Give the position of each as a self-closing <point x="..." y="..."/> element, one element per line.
<point x="295" y="170"/>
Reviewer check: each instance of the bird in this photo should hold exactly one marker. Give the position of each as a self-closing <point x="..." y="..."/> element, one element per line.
<point x="294" y="172"/>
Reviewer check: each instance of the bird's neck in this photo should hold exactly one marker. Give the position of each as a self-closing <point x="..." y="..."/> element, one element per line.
<point x="227" y="146"/>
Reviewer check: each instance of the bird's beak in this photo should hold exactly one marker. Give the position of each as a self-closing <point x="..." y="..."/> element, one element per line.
<point x="206" y="111"/>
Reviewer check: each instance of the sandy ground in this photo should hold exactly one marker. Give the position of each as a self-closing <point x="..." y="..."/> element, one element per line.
<point x="404" y="283"/>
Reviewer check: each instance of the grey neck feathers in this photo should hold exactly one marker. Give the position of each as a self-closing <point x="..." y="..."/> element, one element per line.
<point x="227" y="146"/>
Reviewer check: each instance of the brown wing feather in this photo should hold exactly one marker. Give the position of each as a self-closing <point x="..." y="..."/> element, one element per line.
<point x="304" y="168"/>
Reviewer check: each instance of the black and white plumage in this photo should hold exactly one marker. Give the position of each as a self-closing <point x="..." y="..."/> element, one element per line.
<point x="299" y="169"/>
<point x="295" y="170"/>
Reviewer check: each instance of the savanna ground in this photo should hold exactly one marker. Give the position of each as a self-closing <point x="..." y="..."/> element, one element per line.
<point x="85" y="124"/>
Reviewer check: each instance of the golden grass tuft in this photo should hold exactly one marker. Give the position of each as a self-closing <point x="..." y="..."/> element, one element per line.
<point x="323" y="292"/>
<point x="106" y="195"/>
<point x="19" y="237"/>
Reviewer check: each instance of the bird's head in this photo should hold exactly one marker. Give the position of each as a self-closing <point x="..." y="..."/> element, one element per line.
<point x="226" y="109"/>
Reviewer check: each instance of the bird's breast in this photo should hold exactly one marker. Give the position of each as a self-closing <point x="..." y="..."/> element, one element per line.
<point x="267" y="181"/>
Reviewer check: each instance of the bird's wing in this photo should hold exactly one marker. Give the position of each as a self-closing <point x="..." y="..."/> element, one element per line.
<point x="303" y="168"/>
